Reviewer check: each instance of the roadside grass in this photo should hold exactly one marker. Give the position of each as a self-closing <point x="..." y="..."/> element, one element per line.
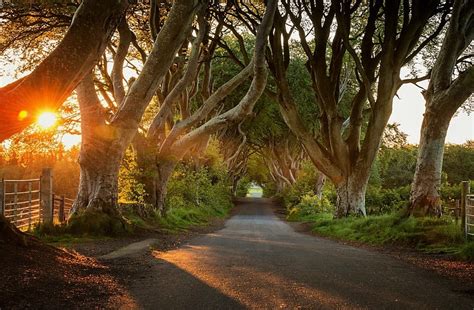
<point x="66" y="240"/>
<point x="181" y="219"/>
<point x="178" y="219"/>
<point x="427" y="234"/>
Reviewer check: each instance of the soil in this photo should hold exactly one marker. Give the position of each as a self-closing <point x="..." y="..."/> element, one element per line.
<point x="41" y="276"/>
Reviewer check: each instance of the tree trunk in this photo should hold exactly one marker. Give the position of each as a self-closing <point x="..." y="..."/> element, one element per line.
<point x="165" y="169"/>
<point x="351" y="197"/>
<point x="424" y="196"/>
<point x="318" y="187"/>
<point x="444" y="96"/>
<point x="98" y="185"/>
<point x="145" y="155"/>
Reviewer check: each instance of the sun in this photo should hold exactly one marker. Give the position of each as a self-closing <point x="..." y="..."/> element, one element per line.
<point x="47" y="120"/>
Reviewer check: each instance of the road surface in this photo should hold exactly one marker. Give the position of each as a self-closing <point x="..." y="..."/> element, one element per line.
<point x="259" y="262"/>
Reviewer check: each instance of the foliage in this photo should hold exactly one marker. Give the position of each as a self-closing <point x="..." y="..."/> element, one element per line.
<point x="243" y="186"/>
<point x="310" y="205"/>
<point x="458" y="162"/>
<point x="194" y="196"/>
<point x="381" y="201"/>
<point x="130" y="188"/>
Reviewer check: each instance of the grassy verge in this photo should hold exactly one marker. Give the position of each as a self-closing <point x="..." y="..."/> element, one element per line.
<point x="433" y="235"/>
<point x="179" y="219"/>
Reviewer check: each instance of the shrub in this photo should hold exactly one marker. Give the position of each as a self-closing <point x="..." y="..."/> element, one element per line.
<point x="309" y="206"/>
<point x="380" y="201"/>
<point x="195" y="194"/>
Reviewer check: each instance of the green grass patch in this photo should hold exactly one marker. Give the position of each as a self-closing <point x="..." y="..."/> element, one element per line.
<point x="180" y="219"/>
<point x="432" y="235"/>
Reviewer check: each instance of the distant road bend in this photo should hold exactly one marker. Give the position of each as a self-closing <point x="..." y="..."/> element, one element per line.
<point x="259" y="262"/>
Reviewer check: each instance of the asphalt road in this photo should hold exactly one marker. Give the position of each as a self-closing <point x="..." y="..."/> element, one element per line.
<point x="258" y="261"/>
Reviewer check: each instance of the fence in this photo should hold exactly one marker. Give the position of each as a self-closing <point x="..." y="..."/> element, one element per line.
<point x="467" y="209"/>
<point x="21" y="202"/>
<point x="61" y="207"/>
<point x="26" y="203"/>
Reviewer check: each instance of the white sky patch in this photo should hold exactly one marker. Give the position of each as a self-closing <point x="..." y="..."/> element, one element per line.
<point x="408" y="110"/>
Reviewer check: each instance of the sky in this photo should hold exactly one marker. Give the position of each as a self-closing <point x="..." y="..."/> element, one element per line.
<point x="408" y="109"/>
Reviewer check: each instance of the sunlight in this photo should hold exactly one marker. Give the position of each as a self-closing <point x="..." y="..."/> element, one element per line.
<point x="47" y="120"/>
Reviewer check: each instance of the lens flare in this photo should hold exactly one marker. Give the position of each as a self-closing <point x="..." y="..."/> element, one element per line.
<point x="22" y="115"/>
<point x="47" y="120"/>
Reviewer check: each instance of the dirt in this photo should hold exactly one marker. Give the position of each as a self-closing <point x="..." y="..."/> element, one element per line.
<point x="41" y="276"/>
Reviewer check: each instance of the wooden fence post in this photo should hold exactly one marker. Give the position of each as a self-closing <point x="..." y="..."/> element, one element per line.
<point x="62" y="215"/>
<point x="46" y="195"/>
<point x="15" y="200"/>
<point x="464" y="212"/>
<point x="2" y="197"/>
<point x="30" y="186"/>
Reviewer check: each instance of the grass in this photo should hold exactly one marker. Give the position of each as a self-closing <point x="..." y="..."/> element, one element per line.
<point x="180" y="219"/>
<point x="431" y="235"/>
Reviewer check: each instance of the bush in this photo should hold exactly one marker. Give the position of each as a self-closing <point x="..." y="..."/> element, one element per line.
<point x="380" y="201"/>
<point x="309" y="206"/>
<point x="194" y="196"/>
<point x="243" y="186"/>
<point x="130" y="188"/>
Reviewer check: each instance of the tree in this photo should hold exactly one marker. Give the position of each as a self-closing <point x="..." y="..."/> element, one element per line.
<point x="194" y="128"/>
<point x="364" y="43"/>
<point x="57" y="75"/>
<point x="444" y="96"/>
<point x="104" y="141"/>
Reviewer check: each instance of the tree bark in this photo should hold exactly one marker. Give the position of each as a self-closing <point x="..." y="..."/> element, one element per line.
<point x="351" y="197"/>
<point x="424" y="197"/>
<point x="165" y="169"/>
<point x="318" y="187"/>
<point x="98" y="185"/>
<point x="443" y="97"/>
<point x="10" y="234"/>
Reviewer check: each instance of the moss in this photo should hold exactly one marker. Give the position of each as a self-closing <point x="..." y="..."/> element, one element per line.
<point x="97" y="223"/>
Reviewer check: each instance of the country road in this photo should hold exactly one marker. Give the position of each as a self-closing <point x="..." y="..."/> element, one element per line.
<point x="259" y="262"/>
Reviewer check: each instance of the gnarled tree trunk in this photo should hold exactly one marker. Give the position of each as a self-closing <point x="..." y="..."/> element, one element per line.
<point x="165" y="169"/>
<point x="424" y="197"/>
<point x="351" y="196"/>
<point x="443" y="97"/>
<point x="105" y="141"/>
<point x="98" y="185"/>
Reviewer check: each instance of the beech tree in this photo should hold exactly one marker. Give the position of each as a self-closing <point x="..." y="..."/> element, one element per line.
<point x="367" y="41"/>
<point x="53" y="80"/>
<point x="104" y="140"/>
<point x="445" y="94"/>
<point x="194" y="128"/>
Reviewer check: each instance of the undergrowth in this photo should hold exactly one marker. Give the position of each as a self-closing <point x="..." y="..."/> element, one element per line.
<point x="428" y="234"/>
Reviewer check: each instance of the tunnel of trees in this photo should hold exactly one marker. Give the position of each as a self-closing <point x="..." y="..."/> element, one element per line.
<point x="182" y="104"/>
